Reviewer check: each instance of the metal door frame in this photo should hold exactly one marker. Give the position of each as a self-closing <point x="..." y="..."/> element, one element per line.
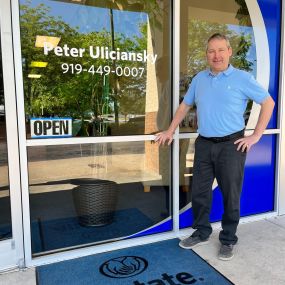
<point x="280" y="167"/>
<point x="24" y="143"/>
<point x="11" y="250"/>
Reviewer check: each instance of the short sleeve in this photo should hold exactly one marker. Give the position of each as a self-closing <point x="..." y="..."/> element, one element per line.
<point x="255" y="91"/>
<point x="189" y="97"/>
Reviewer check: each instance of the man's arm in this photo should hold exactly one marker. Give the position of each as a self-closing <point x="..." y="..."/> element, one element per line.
<point x="180" y="114"/>
<point x="264" y="116"/>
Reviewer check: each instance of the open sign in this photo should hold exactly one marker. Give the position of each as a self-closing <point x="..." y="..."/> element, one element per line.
<point x="51" y="127"/>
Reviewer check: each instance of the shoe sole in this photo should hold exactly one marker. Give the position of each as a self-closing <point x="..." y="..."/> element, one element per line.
<point x="193" y="246"/>
<point x="225" y="258"/>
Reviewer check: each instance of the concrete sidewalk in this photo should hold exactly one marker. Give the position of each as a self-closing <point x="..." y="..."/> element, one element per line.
<point x="259" y="258"/>
<point x="260" y="254"/>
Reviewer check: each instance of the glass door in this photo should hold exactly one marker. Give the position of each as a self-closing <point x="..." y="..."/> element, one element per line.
<point x="11" y="235"/>
<point x="96" y="86"/>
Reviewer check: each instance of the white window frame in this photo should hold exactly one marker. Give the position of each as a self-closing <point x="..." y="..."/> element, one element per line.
<point x="11" y="250"/>
<point x="280" y="154"/>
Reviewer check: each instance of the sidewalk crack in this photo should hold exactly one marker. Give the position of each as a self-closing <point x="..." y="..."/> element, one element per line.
<point x="272" y="222"/>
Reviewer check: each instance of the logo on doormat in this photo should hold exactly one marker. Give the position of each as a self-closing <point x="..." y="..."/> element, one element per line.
<point x="124" y="266"/>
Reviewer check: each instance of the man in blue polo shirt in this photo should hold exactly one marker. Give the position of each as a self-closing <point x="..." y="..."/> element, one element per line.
<point x="221" y="94"/>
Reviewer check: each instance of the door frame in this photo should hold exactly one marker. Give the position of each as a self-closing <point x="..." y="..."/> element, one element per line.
<point x="31" y="261"/>
<point x="280" y="167"/>
<point x="11" y="250"/>
<point x="65" y="255"/>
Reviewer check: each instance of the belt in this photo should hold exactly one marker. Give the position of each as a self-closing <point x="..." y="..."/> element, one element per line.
<point x="225" y="138"/>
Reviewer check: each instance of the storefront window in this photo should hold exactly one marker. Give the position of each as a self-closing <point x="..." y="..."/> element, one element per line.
<point x="201" y="19"/>
<point x="95" y="68"/>
<point x="94" y="193"/>
<point x="5" y="207"/>
<point x="186" y="160"/>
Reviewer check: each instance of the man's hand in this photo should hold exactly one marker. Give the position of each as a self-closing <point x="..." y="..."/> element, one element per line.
<point x="266" y="110"/>
<point x="162" y="137"/>
<point x="246" y="143"/>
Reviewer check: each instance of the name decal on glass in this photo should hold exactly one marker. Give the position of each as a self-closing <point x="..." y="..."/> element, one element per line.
<point x="100" y="52"/>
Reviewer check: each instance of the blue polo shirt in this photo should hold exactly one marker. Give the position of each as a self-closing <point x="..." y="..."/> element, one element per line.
<point x="221" y="100"/>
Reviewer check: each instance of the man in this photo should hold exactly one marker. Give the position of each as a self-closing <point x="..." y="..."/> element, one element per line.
<point x="220" y="94"/>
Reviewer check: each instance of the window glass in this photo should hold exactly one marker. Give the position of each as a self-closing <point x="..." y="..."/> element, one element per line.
<point x="5" y="206"/>
<point x="93" y="193"/>
<point x="186" y="160"/>
<point x="200" y="20"/>
<point x="95" y="68"/>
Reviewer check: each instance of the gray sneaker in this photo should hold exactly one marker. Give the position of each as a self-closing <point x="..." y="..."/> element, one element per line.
<point x="192" y="242"/>
<point x="226" y="252"/>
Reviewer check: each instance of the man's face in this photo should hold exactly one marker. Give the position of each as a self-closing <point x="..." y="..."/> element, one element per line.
<point x="218" y="55"/>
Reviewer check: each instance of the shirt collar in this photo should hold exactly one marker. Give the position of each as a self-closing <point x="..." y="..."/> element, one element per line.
<point x="227" y="72"/>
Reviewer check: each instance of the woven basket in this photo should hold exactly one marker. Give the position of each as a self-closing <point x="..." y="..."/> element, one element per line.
<point x="95" y="202"/>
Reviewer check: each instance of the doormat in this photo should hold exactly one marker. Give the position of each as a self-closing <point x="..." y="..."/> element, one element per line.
<point x="161" y="263"/>
<point x="61" y="233"/>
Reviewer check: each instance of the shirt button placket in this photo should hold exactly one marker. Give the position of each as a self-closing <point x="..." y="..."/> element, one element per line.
<point x="214" y="81"/>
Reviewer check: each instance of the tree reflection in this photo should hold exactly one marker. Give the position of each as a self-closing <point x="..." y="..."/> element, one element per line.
<point x="85" y="97"/>
<point x="200" y="31"/>
<point x="194" y="40"/>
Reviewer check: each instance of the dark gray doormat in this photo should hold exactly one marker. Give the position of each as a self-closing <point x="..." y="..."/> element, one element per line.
<point x="161" y="263"/>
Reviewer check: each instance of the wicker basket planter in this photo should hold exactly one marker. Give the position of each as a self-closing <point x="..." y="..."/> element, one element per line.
<point x="95" y="202"/>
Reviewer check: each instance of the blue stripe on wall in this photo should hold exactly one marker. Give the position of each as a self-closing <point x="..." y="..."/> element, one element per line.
<point x="271" y="12"/>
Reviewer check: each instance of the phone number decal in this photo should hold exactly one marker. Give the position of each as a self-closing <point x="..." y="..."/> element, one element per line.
<point x="103" y="70"/>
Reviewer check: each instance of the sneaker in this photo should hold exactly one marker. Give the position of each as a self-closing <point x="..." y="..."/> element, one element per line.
<point x="192" y="242"/>
<point x="226" y="252"/>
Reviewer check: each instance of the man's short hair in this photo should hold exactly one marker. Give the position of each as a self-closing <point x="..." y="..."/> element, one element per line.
<point x="219" y="36"/>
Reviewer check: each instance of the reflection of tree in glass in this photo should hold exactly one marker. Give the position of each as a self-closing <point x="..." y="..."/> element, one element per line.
<point x="35" y="21"/>
<point x="242" y="14"/>
<point x="81" y="95"/>
<point x="151" y="7"/>
<point x="132" y="89"/>
<point x="244" y="20"/>
<point x="200" y="31"/>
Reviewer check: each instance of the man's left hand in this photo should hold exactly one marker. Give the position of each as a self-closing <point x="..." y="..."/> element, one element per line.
<point x="244" y="144"/>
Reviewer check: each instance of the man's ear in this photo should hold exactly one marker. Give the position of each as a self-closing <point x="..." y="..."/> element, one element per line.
<point x="230" y="51"/>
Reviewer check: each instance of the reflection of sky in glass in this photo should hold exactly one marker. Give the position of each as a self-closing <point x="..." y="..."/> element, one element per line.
<point x="89" y="19"/>
<point x="251" y="55"/>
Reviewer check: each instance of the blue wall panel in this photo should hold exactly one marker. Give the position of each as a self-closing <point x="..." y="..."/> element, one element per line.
<point x="271" y="13"/>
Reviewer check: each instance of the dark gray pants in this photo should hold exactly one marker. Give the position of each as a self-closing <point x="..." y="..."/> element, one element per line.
<point x="223" y="162"/>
